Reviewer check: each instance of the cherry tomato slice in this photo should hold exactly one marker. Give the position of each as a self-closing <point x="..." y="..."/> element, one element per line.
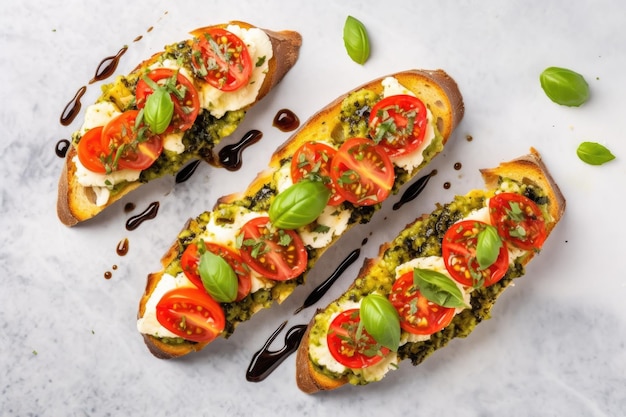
<point x="186" y="108"/>
<point x="222" y="59"/>
<point x="274" y="253"/>
<point x="191" y="314"/>
<point x="459" y="255"/>
<point x="398" y="124"/>
<point x="190" y="260"/>
<point x="362" y="172"/>
<point x="518" y="220"/>
<point x="137" y="149"/>
<point x="348" y="349"/>
<point x="313" y="159"/>
<point x="90" y="152"/>
<point x="418" y="315"/>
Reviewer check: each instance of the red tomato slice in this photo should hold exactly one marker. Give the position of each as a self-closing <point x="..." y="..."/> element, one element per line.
<point x="190" y="260"/>
<point x="274" y="253"/>
<point x="185" y="109"/>
<point x="191" y="314"/>
<point x="459" y="255"/>
<point x="518" y="220"/>
<point x="90" y="151"/>
<point x="313" y="160"/>
<point x="348" y="349"/>
<point x="222" y="59"/>
<point x="122" y="136"/>
<point x="362" y="172"/>
<point x="417" y="314"/>
<point x="398" y="124"/>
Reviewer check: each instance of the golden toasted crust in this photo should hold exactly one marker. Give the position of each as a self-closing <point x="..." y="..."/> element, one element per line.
<point x="435" y="88"/>
<point x="526" y="169"/>
<point x="76" y="203"/>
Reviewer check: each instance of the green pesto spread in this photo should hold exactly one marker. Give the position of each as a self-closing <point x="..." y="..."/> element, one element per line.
<point x="355" y="112"/>
<point x="423" y="239"/>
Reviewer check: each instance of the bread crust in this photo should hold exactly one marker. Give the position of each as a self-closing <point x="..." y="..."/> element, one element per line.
<point x="527" y="168"/>
<point x="76" y="203"/>
<point x="436" y="88"/>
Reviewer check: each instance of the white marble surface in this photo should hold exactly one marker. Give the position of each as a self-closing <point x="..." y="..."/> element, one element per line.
<point x="556" y="343"/>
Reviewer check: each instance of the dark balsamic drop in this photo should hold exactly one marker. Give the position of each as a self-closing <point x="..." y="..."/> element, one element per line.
<point x="286" y="120"/>
<point x="62" y="147"/>
<point x="265" y="361"/>
<point x="447" y="185"/>
<point x="72" y="108"/>
<point x="122" y="247"/>
<point x="458" y="166"/>
<point x="414" y="190"/>
<point x="138" y="38"/>
<point x="186" y="173"/>
<point x="114" y="267"/>
<point x="108" y="275"/>
<point x="469" y="138"/>
<point x="107" y="66"/>
<point x="230" y="155"/>
<point x="147" y="214"/>
<point x="128" y="207"/>
<point x="321" y="289"/>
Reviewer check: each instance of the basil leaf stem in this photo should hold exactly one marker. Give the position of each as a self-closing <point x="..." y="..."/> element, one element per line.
<point x="356" y="40"/>
<point x="381" y="320"/>
<point x="593" y="153"/>
<point x="564" y="86"/>
<point x="299" y="204"/>
<point x="487" y="247"/>
<point x="438" y="288"/>
<point x="218" y="277"/>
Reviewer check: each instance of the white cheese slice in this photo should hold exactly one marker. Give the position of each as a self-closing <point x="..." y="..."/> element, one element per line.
<point x="148" y="324"/>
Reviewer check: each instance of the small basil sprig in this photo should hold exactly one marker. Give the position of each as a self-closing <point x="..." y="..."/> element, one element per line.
<point x="356" y="40"/>
<point x="487" y="247"/>
<point x="299" y="204"/>
<point x="438" y="288"/>
<point x="564" y="86"/>
<point x="593" y="153"/>
<point x="218" y="277"/>
<point x="381" y="320"/>
<point x="159" y="108"/>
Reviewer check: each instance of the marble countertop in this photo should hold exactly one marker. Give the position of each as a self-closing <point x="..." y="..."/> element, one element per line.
<point x="556" y="344"/>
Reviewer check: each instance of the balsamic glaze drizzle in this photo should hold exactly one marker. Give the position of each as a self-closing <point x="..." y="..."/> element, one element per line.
<point x="72" y="108"/>
<point x="186" y="173"/>
<point x="230" y="155"/>
<point x="321" y="289"/>
<point x="265" y="361"/>
<point x="149" y="213"/>
<point x="107" y="66"/>
<point x="414" y="190"/>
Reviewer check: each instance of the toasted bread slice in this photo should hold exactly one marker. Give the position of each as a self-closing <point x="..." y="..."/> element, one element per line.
<point x="316" y="370"/>
<point x="78" y="202"/>
<point x="436" y="89"/>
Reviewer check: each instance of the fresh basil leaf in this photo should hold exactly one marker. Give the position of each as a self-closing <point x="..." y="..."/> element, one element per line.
<point x="593" y="153"/>
<point x="356" y="40"/>
<point x="299" y="204"/>
<point x="564" y="86"/>
<point x="218" y="277"/>
<point x="381" y="320"/>
<point x="159" y="110"/>
<point x="487" y="247"/>
<point x="438" y="288"/>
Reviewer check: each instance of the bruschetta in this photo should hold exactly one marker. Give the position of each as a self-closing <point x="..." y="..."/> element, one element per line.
<point x="435" y="281"/>
<point x="173" y="108"/>
<point x="334" y="172"/>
